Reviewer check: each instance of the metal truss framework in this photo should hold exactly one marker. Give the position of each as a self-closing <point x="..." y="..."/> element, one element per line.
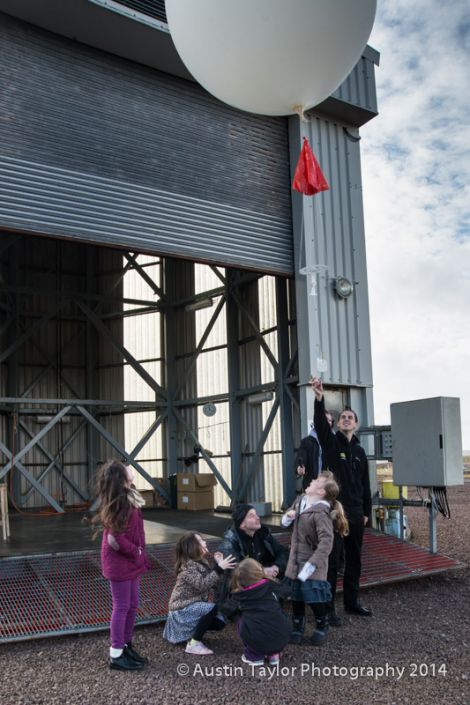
<point x="171" y="407"/>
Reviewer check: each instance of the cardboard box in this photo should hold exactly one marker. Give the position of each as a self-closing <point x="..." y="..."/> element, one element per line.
<point x="196" y="501"/>
<point x="195" y="482"/>
<point x="154" y="498"/>
<point x="149" y="497"/>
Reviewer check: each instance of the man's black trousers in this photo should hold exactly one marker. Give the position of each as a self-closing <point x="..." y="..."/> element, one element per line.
<point x="352" y="563"/>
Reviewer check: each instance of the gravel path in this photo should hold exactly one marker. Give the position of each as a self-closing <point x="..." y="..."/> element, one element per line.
<point x="413" y="651"/>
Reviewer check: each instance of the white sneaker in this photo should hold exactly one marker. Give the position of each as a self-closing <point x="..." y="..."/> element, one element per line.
<point x="274" y="659"/>
<point x="198" y="649"/>
<point x="252" y="663"/>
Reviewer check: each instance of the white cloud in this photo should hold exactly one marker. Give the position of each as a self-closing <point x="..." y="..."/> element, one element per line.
<point x="416" y="171"/>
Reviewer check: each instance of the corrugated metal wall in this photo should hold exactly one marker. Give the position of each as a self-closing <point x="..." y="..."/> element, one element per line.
<point x="45" y="278"/>
<point x="359" y="87"/>
<point x="101" y="149"/>
<point x="333" y="230"/>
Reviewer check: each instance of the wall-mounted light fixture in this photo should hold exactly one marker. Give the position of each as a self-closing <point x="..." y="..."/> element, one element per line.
<point x="343" y="287"/>
<point x="260" y="397"/>
<point x="198" y="304"/>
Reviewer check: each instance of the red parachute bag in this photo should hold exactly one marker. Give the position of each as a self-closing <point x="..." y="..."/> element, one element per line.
<point x="308" y="177"/>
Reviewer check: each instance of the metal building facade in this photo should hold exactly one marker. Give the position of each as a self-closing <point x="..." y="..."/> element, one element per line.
<point x="125" y="155"/>
<point x="96" y="148"/>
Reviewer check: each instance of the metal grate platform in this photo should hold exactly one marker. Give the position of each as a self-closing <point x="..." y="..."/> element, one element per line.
<point x="52" y="595"/>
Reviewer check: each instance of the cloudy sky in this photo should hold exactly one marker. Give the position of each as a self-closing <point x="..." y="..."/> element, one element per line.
<point x="416" y="168"/>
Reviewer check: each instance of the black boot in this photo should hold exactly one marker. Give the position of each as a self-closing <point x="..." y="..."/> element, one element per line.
<point x="133" y="654"/>
<point x="298" y="627"/>
<point x="125" y="663"/>
<point x="333" y="619"/>
<point x="322" y="629"/>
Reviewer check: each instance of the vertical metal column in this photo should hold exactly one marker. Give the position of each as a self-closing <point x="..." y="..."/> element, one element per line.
<point x="233" y="360"/>
<point x="250" y="376"/>
<point x="302" y="224"/>
<point x="287" y="442"/>
<point x="12" y="389"/>
<point x="179" y="343"/>
<point x="170" y="378"/>
<point x="91" y="363"/>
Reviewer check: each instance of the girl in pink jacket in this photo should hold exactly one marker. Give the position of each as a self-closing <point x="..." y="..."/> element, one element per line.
<point x="123" y="558"/>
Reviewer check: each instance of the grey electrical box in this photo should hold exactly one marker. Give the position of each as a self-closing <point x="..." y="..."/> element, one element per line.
<point x="427" y="442"/>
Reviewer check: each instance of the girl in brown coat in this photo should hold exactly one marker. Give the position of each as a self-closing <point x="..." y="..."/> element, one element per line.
<point x="314" y="516"/>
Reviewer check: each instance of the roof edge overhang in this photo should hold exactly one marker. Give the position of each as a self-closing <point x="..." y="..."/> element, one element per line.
<point x="114" y="28"/>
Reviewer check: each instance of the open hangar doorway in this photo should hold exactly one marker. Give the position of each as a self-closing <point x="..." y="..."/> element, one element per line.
<point x="169" y="364"/>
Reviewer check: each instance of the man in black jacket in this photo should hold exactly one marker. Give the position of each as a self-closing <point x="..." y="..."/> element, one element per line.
<point x="347" y="460"/>
<point x="309" y="460"/>
<point x="247" y="537"/>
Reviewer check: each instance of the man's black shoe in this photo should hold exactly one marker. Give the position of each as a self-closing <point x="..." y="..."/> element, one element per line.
<point x="125" y="663"/>
<point x="358" y="610"/>
<point x="134" y="655"/>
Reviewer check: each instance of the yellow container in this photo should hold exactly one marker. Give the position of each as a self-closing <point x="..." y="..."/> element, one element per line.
<point x="391" y="491"/>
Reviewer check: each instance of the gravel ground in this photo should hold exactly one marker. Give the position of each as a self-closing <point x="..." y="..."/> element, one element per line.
<point x="414" y="650"/>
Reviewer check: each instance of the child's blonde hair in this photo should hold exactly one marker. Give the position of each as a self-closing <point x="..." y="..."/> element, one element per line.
<point x="337" y="514"/>
<point x="248" y="572"/>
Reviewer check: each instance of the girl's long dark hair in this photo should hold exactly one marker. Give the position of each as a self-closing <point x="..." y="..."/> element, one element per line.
<point x="113" y="492"/>
<point x="187" y="549"/>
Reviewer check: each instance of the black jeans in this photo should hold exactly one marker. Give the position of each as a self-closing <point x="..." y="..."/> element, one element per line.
<point x="352" y="564"/>
<point x="208" y="621"/>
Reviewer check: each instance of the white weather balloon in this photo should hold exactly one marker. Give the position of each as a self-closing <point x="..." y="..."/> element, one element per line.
<point x="270" y="56"/>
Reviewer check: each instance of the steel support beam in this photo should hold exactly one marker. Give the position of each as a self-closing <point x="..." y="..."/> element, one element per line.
<point x="201" y="343"/>
<point x="40" y="323"/>
<point x="284" y="394"/>
<point x="233" y="364"/>
<point x="141" y="371"/>
<point x="54" y="464"/>
<point x="132" y="259"/>
<point x="208" y="460"/>
<point x="148" y="435"/>
<point x="255" y="465"/>
<point x="131" y="461"/>
<point x="37" y="486"/>
<point x="43" y="432"/>
<point x="256" y="330"/>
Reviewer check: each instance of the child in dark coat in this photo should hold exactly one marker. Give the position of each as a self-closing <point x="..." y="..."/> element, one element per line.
<point x="263" y="627"/>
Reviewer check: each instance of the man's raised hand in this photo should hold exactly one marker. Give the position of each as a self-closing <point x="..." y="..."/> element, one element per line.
<point x="317" y="387"/>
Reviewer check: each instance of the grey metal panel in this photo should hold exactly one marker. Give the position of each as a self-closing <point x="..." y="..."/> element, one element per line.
<point x="334" y="221"/>
<point x="359" y="86"/>
<point x="97" y="148"/>
<point x="427" y="442"/>
<point x="355" y="101"/>
<point x="46" y="268"/>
